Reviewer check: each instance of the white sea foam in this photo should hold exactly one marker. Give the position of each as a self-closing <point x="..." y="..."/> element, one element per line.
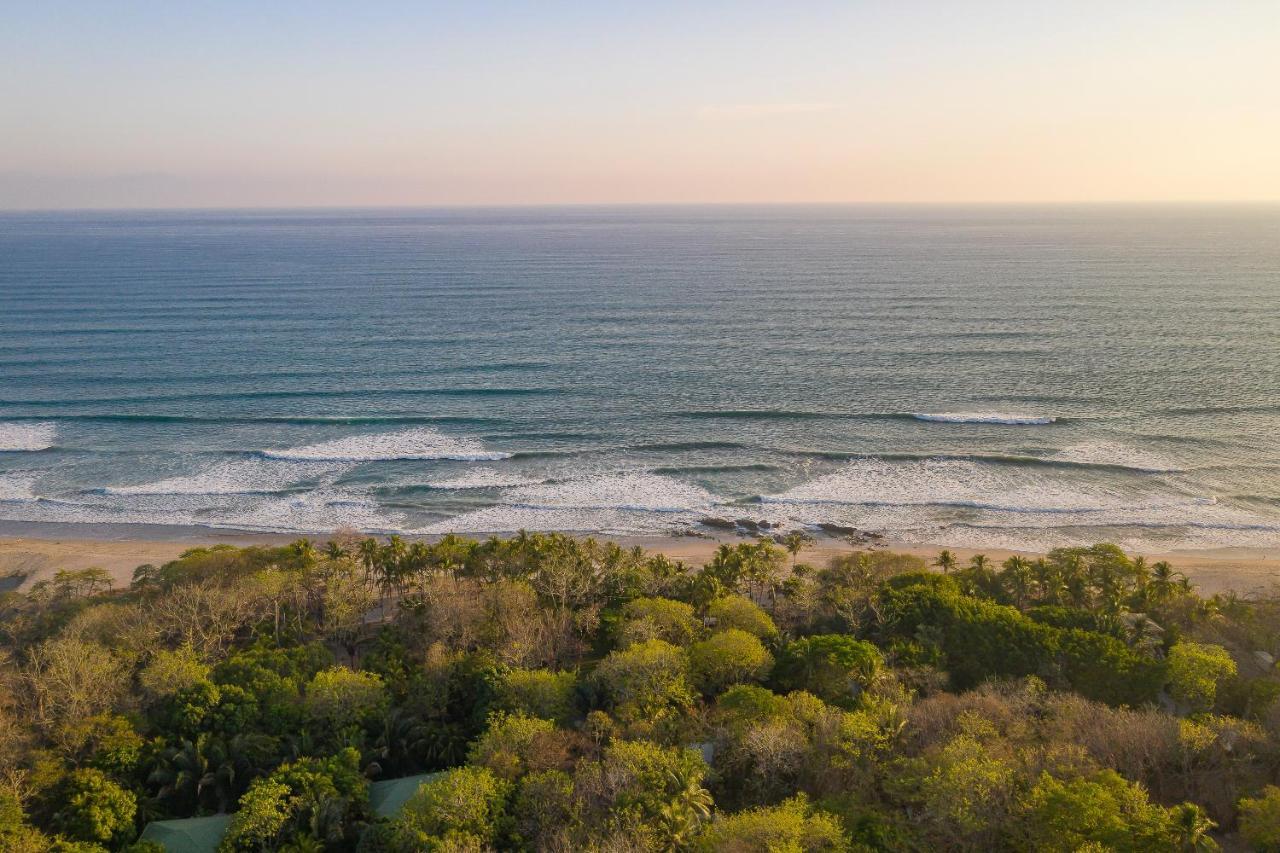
<point x="508" y="519"/>
<point x="318" y="511"/>
<point x="963" y="483"/>
<point x="233" y="477"/>
<point x="624" y="491"/>
<point x="484" y="478"/>
<point x="27" y="436"/>
<point x="1007" y="418"/>
<point x="1114" y="453"/>
<point x="17" y="486"/>
<point x="308" y="512"/>
<point x="941" y="481"/>
<point x="618" y="502"/>
<point x="420" y="443"/>
<point x="961" y="502"/>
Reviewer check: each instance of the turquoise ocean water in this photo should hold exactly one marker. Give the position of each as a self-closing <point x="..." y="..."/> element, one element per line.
<point x="1017" y="376"/>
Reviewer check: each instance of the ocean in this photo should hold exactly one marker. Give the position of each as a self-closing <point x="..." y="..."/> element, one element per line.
<point x="1020" y="377"/>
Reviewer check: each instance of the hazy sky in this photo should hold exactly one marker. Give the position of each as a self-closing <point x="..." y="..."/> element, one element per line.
<point x="125" y="104"/>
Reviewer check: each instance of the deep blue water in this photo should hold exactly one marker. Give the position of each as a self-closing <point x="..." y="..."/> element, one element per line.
<point x="638" y="369"/>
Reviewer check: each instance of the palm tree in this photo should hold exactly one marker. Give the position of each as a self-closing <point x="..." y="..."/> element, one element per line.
<point x="370" y="555"/>
<point x="304" y="550"/>
<point x="1017" y="579"/>
<point x="980" y="562"/>
<point x="395" y="550"/>
<point x="403" y="738"/>
<point x="1075" y="579"/>
<point x="211" y="770"/>
<point x="688" y="808"/>
<point x="1141" y="573"/>
<point x="334" y="550"/>
<point x="794" y="542"/>
<point x="182" y="773"/>
<point x="1048" y="581"/>
<point x="1191" y="828"/>
<point x="1163" y="580"/>
<point x="947" y="562"/>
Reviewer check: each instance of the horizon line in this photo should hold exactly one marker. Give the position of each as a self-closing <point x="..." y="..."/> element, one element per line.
<point x="648" y="204"/>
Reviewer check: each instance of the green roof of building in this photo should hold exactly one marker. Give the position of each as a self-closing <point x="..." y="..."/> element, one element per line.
<point x="193" y="835"/>
<point x="202" y="834"/>
<point x="388" y="796"/>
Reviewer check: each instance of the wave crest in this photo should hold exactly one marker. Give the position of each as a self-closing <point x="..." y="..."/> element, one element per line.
<point x="383" y="447"/>
<point x="23" y="436"/>
<point x="1006" y="418"/>
<point x="235" y="477"/>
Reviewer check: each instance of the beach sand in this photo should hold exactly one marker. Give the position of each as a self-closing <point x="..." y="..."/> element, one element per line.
<point x="38" y="551"/>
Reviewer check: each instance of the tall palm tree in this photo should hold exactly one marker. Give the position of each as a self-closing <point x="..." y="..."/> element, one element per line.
<point x="947" y="562"/>
<point x="689" y="807"/>
<point x="370" y="555"/>
<point x="1141" y="573"/>
<point x="1018" y="580"/>
<point x="794" y="542"/>
<point x="1163" y="581"/>
<point x="1048" y="581"/>
<point x="396" y="549"/>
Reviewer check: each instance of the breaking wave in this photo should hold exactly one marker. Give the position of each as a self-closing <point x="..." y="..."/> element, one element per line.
<point x="24" y="436"/>
<point x="404" y="444"/>
<point x="232" y="477"/>
<point x="984" y="418"/>
<point x="484" y="478"/>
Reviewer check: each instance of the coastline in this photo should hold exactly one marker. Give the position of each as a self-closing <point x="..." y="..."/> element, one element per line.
<point x="38" y="550"/>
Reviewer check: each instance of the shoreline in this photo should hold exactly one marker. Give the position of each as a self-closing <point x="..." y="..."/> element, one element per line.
<point x="39" y="549"/>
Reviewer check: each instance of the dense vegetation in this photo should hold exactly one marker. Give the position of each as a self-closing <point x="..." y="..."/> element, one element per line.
<point x="583" y="697"/>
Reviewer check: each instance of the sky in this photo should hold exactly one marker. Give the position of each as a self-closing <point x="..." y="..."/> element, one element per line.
<point x="248" y="104"/>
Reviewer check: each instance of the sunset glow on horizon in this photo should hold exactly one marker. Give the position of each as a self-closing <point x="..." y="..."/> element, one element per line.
<point x="305" y="104"/>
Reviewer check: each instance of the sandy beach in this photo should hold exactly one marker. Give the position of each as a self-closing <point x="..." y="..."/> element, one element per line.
<point x="38" y="551"/>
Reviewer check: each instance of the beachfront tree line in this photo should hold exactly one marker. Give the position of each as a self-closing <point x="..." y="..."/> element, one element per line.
<point x="579" y="696"/>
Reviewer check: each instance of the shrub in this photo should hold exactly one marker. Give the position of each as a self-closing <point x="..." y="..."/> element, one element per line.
<point x="833" y="667"/>
<point x="543" y="807"/>
<point x="507" y="746"/>
<point x="1260" y="820"/>
<point x="172" y="671"/>
<point x="728" y="657"/>
<point x="539" y="693"/>
<point x="646" y="681"/>
<point x="981" y="640"/>
<point x="328" y="794"/>
<point x="635" y="781"/>
<point x="790" y="826"/>
<point x="736" y="611"/>
<point x="339" y="697"/>
<point x="1195" y="670"/>
<point x="1106" y="811"/>
<point x="93" y="808"/>
<point x="468" y="801"/>
<point x="748" y="703"/>
<point x="658" y="618"/>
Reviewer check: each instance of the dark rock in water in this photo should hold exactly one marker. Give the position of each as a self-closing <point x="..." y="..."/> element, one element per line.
<point x="718" y="523"/>
<point x="748" y="524"/>
<point x="765" y="525"/>
<point x="837" y="529"/>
